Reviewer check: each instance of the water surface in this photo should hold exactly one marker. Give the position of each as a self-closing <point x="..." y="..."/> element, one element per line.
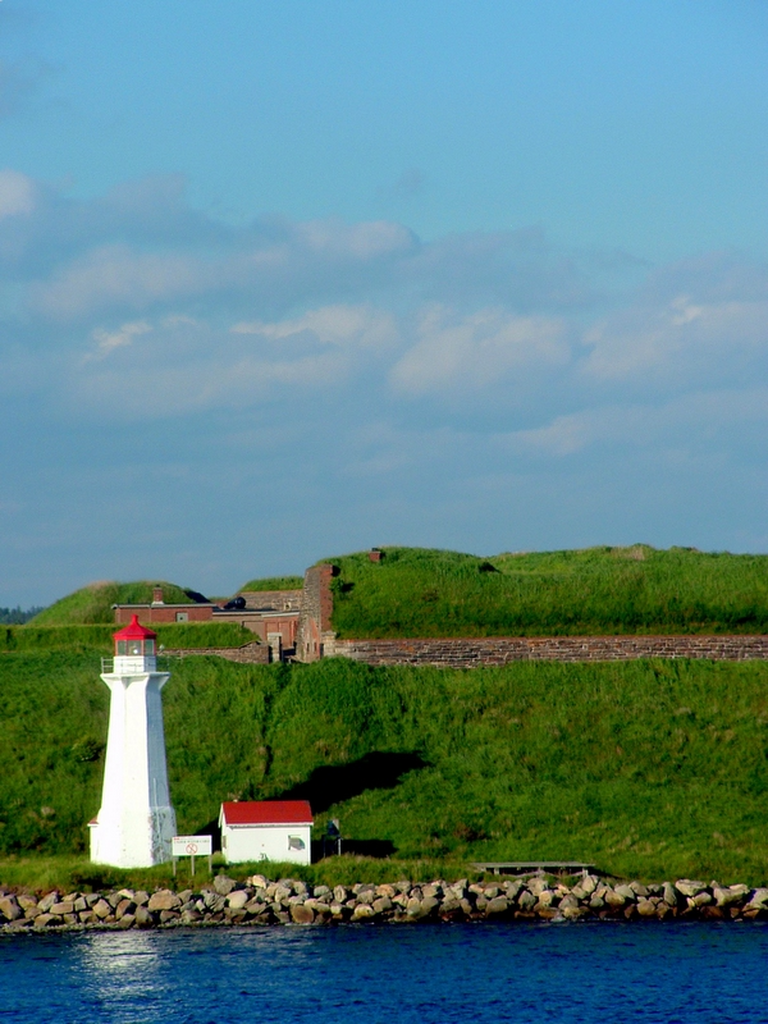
<point x="414" y="974"/>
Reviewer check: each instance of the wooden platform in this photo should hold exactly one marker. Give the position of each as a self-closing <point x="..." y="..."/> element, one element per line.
<point x="535" y="867"/>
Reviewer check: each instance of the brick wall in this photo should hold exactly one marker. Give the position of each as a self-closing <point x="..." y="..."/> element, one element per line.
<point x="472" y="653"/>
<point x="314" y="629"/>
<point x="249" y="654"/>
<point x="272" y="600"/>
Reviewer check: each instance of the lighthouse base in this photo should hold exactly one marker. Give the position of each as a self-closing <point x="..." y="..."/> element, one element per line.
<point x="143" y="841"/>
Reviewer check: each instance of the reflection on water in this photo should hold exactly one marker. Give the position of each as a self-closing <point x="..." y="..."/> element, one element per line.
<point x="120" y="972"/>
<point x="469" y="974"/>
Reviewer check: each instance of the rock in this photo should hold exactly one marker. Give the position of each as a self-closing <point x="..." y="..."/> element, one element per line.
<point x="702" y="898"/>
<point x="759" y="898"/>
<point x="450" y="905"/>
<point x="498" y="905"/>
<point x="102" y="910"/>
<point x="363" y="912"/>
<point x="614" y="898"/>
<point x="646" y="908"/>
<point x="571" y="912"/>
<point x="124" y="907"/>
<point x="341" y="894"/>
<point x="44" y="919"/>
<point x="46" y="902"/>
<point x="588" y="883"/>
<point x="670" y="894"/>
<point x="212" y="901"/>
<point x="302" y="914"/>
<point x="728" y="894"/>
<point x="688" y="888"/>
<point x="546" y="913"/>
<point x="627" y="892"/>
<point x="537" y="886"/>
<point x="382" y="890"/>
<point x="511" y="889"/>
<point x="163" y="900"/>
<point x="526" y="900"/>
<point x="639" y="889"/>
<point x="223" y="885"/>
<point x="10" y="909"/>
<point x="382" y="905"/>
<point x="413" y="907"/>
<point x="127" y="920"/>
<point x="237" y="899"/>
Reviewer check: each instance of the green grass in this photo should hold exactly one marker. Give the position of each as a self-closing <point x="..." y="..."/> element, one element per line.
<point x="647" y="769"/>
<point x="172" y="635"/>
<point x="93" y="604"/>
<point x="418" y="592"/>
<point x="40" y="873"/>
<point x="274" y="583"/>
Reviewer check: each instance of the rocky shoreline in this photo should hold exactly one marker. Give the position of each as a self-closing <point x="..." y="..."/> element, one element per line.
<point x="259" y="901"/>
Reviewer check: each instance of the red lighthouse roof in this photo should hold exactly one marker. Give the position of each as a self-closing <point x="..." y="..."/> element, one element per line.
<point x="134" y="631"/>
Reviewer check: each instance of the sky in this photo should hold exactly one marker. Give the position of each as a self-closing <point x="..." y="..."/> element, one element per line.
<point x="283" y="280"/>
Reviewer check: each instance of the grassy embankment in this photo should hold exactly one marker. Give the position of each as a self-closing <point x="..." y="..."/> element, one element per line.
<point x="422" y="593"/>
<point x="648" y="769"/>
<point x="92" y="604"/>
<point x="274" y="583"/>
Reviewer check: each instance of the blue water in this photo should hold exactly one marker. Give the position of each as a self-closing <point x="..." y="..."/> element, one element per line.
<point x="597" y="973"/>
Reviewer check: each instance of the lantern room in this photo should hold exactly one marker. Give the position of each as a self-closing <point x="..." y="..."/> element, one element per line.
<point x="135" y="648"/>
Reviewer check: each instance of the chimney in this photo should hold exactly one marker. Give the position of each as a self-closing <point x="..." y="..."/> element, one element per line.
<point x="157" y="595"/>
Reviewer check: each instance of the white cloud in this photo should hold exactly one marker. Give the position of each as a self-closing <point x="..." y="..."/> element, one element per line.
<point x="17" y="194"/>
<point x="478" y="350"/>
<point x="107" y="341"/>
<point x="655" y="343"/>
<point x="357" y="326"/>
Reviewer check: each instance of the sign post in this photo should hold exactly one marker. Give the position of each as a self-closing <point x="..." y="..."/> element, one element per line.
<point x="192" y="846"/>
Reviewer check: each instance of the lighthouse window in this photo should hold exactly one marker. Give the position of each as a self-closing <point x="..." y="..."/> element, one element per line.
<point x="122" y="646"/>
<point x="149" y="646"/>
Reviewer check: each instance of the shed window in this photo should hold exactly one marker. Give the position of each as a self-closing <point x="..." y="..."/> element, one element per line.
<point x="182" y="616"/>
<point x="295" y="843"/>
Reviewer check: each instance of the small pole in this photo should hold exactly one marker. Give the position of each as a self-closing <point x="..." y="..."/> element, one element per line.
<point x="175" y="860"/>
<point x="192" y="858"/>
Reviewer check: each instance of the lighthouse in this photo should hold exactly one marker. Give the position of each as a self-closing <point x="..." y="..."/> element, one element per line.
<point x="136" y="822"/>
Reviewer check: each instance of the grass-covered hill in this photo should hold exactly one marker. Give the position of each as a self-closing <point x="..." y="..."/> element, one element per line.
<point x="423" y="593"/>
<point x="274" y="583"/>
<point x="93" y="604"/>
<point x="649" y="769"/>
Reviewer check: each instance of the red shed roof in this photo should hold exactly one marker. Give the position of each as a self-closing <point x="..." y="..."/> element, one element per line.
<point x="267" y="812"/>
<point x="134" y="631"/>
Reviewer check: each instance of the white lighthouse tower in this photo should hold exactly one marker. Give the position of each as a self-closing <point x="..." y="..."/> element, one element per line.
<point x="136" y="822"/>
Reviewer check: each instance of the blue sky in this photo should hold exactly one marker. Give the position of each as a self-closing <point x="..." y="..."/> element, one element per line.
<point x="283" y="280"/>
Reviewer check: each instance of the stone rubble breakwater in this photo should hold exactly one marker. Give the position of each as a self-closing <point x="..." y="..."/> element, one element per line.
<point x="259" y="901"/>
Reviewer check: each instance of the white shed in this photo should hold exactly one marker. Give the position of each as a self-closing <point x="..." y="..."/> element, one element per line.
<point x="277" y="830"/>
